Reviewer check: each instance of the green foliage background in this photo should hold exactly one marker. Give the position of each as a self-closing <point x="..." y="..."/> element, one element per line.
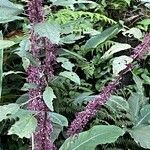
<point x="90" y="36"/>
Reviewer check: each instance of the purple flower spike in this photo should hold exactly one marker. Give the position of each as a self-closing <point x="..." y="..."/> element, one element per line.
<point x="42" y="136"/>
<point x="83" y="117"/>
<point x="39" y="74"/>
<point x="142" y="48"/>
<point x="35" y="11"/>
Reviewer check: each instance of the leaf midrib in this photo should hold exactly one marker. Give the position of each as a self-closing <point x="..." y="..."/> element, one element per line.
<point x="90" y="139"/>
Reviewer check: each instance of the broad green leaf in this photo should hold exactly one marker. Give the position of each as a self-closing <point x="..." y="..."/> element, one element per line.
<point x="24" y="127"/>
<point x="120" y="63"/>
<point x="135" y="32"/>
<point x="88" y="140"/>
<point x="144" y="115"/>
<point x="139" y="84"/>
<point x="6" y="44"/>
<point x="58" y="119"/>
<point x="107" y="34"/>
<point x="9" y="19"/>
<point x="48" y="96"/>
<point x="49" y="30"/>
<point x="118" y="102"/>
<point x="56" y="131"/>
<point x="65" y="63"/>
<point x="134" y="105"/>
<point x="141" y="135"/>
<point x="116" y="48"/>
<point x="71" y="75"/>
<point x="8" y="110"/>
<point x="9" y="11"/>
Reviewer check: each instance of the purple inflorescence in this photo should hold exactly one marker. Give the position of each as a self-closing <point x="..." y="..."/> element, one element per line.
<point x="83" y="117"/>
<point x="35" y="11"/>
<point x="50" y="58"/>
<point x="36" y="75"/>
<point x="42" y="134"/>
<point x="142" y="48"/>
<point x="39" y="74"/>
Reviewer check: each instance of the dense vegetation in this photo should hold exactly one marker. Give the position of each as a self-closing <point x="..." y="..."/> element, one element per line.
<point x="61" y="57"/>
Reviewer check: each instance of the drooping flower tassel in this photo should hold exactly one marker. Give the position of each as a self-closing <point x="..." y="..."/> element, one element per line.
<point x="83" y="117"/>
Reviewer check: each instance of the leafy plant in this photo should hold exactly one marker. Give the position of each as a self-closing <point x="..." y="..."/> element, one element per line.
<point x="55" y="58"/>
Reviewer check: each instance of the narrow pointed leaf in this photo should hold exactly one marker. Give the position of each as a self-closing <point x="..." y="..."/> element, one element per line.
<point x="94" y="41"/>
<point x="71" y="75"/>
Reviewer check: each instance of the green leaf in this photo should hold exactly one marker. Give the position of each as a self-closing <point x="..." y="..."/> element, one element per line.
<point x="58" y="119"/>
<point x="49" y="30"/>
<point x="9" y="11"/>
<point x="144" y="115"/>
<point x="69" y="2"/>
<point x="67" y="52"/>
<point x="28" y="86"/>
<point x="83" y="97"/>
<point x="6" y="44"/>
<point x="145" y="22"/>
<point x="88" y="140"/>
<point x="66" y="64"/>
<point x="139" y="84"/>
<point x="127" y="1"/>
<point x="22" y="99"/>
<point x="48" y="96"/>
<point x="23" y="52"/>
<point x="135" y="105"/>
<point x="25" y="63"/>
<point x="141" y="136"/>
<point x="9" y="19"/>
<point x="107" y="34"/>
<point x="24" y="127"/>
<point x="56" y="131"/>
<point x="146" y="3"/>
<point x="135" y="32"/>
<point x="120" y="63"/>
<point x="72" y="76"/>
<point x="69" y="39"/>
<point x="8" y="110"/>
<point x="118" y="102"/>
<point x="24" y="46"/>
<point x="146" y="78"/>
<point x="116" y="48"/>
<point x="58" y="122"/>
